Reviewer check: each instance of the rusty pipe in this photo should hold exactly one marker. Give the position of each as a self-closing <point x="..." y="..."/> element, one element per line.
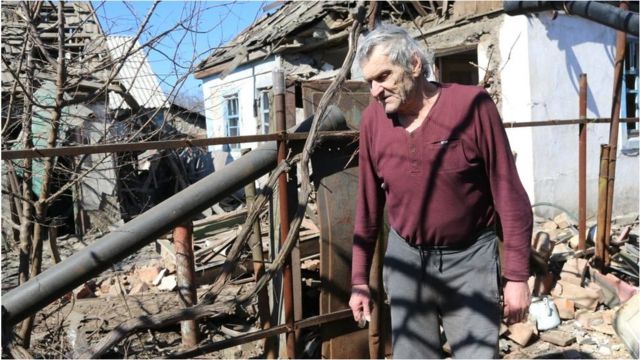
<point x="621" y="49"/>
<point x="61" y="278"/>
<point x="582" y="165"/>
<point x="602" y="207"/>
<point x="186" y="279"/>
<point x="605" y="14"/>
<point x="283" y="200"/>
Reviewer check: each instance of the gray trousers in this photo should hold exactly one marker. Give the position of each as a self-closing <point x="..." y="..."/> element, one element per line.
<point x="458" y="289"/>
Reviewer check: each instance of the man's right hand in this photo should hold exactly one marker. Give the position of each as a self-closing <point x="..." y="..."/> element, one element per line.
<point x="360" y="304"/>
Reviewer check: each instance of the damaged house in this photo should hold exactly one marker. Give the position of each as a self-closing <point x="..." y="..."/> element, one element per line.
<point x="529" y="64"/>
<point x="111" y="95"/>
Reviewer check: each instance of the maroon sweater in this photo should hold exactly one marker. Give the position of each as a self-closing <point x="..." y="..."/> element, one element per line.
<point x="444" y="182"/>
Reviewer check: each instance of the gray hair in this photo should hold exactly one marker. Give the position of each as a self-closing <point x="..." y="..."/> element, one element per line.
<point x="397" y="44"/>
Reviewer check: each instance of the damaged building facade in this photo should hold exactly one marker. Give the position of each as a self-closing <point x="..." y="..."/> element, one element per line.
<point x="110" y="96"/>
<point x="529" y="64"/>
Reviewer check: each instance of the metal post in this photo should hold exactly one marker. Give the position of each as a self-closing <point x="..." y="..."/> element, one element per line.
<point x="621" y="49"/>
<point x="255" y="243"/>
<point x="582" y="165"/>
<point x="279" y="94"/>
<point x="602" y="207"/>
<point x="186" y="279"/>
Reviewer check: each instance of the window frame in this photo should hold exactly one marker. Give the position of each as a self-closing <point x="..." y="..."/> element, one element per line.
<point x="228" y="117"/>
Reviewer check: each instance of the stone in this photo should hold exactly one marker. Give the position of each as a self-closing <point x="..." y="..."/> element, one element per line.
<point x="573" y="269"/>
<point x="148" y="274"/>
<point x="549" y="225"/>
<point x="584" y="298"/>
<point x="168" y="283"/>
<point x="158" y="278"/>
<point x="116" y="289"/>
<point x="504" y="346"/>
<point x="562" y="221"/>
<point x="604" y="350"/>
<point x="139" y="288"/>
<point x="566" y="308"/>
<point x="557" y="337"/>
<point x="521" y="333"/>
<point x="84" y="291"/>
<point x="170" y="266"/>
<point x="105" y="286"/>
<point x="574" y="242"/>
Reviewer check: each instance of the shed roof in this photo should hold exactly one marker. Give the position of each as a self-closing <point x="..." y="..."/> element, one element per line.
<point x="136" y="76"/>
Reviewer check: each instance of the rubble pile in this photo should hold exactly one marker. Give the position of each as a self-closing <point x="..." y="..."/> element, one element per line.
<point x="578" y="311"/>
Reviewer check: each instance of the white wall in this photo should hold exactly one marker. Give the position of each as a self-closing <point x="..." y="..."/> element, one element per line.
<point x="541" y="82"/>
<point x="515" y="95"/>
<point x="245" y="81"/>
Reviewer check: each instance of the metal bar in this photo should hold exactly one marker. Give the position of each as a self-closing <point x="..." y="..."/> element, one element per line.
<point x="255" y="243"/>
<point x="257" y="335"/>
<point x="61" y="278"/>
<point x="582" y="165"/>
<point x="618" y="18"/>
<point x="621" y="49"/>
<point x="186" y="279"/>
<point x="283" y="202"/>
<point x="602" y="207"/>
<point x="175" y="144"/>
<point x="159" y="145"/>
<point x="564" y="122"/>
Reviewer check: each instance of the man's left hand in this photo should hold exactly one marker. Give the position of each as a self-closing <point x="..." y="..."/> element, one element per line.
<point x="517" y="299"/>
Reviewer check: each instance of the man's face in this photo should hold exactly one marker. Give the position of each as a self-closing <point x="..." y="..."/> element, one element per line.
<point x="389" y="83"/>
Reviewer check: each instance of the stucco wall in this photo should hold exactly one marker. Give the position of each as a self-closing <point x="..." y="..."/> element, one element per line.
<point x="245" y="81"/>
<point x="540" y="82"/>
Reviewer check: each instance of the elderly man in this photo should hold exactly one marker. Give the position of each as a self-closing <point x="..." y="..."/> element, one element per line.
<point x="438" y="157"/>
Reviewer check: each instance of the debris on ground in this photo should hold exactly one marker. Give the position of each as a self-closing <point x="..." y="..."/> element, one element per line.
<point x="577" y="311"/>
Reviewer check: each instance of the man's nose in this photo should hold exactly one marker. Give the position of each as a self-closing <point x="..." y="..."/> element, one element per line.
<point x="376" y="89"/>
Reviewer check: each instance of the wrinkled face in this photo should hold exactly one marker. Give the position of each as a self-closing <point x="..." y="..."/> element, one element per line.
<point x="389" y="83"/>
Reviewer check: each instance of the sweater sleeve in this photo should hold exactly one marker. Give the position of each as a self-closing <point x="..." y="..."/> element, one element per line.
<point x="369" y="206"/>
<point x="509" y="197"/>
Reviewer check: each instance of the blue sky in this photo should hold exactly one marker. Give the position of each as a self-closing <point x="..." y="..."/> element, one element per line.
<point x="214" y="22"/>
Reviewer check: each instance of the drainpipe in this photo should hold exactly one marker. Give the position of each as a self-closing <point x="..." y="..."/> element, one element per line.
<point x="605" y="14"/>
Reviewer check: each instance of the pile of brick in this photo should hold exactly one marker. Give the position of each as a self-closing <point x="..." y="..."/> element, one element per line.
<point x="586" y="313"/>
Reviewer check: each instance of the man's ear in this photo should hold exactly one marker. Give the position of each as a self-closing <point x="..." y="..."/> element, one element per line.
<point x="416" y="65"/>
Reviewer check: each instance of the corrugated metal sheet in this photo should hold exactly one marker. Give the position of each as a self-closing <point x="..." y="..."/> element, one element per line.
<point x="136" y="75"/>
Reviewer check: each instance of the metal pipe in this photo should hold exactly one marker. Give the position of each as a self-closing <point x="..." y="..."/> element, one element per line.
<point x="602" y="207"/>
<point x="621" y="50"/>
<point x="61" y="278"/>
<point x="257" y="335"/>
<point x="255" y="243"/>
<point x="176" y="144"/>
<point x="283" y="202"/>
<point x="605" y="14"/>
<point x="186" y="278"/>
<point x="582" y="165"/>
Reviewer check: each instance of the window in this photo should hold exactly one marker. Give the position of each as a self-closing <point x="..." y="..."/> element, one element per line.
<point x="232" y="118"/>
<point x="264" y="111"/>
<point x="458" y="68"/>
